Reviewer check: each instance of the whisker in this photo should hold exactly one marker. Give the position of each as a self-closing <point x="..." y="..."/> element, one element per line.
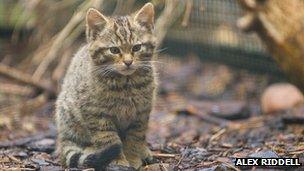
<point x="158" y="62"/>
<point x="97" y="71"/>
<point x="154" y="63"/>
<point x="101" y="67"/>
<point x="109" y="71"/>
<point x="103" y="70"/>
<point x="160" y="50"/>
<point x="158" y="70"/>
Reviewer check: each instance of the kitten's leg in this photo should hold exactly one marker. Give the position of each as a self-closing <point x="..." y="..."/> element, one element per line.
<point x="120" y="160"/>
<point x="69" y="153"/>
<point x="105" y="141"/>
<point x="96" y="155"/>
<point x="98" y="158"/>
<point x="96" y="149"/>
<point x="135" y="146"/>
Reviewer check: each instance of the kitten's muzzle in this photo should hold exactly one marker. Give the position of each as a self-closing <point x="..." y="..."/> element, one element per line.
<point x="128" y="62"/>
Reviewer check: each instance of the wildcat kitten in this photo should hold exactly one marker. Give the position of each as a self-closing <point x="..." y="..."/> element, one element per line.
<point x="103" y="109"/>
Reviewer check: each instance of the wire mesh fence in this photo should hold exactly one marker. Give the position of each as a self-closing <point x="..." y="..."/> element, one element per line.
<point x="212" y="33"/>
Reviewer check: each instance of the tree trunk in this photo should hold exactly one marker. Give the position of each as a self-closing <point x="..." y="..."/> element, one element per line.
<point x="280" y="24"/>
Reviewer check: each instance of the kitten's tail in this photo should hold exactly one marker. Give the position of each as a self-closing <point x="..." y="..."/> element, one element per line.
<point x="74" y="157"/>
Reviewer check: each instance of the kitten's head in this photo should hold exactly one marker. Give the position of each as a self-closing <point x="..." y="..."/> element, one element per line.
<point x="121" y="44"/>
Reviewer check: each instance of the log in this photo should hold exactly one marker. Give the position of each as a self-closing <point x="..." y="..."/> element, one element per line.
<point x="280" y="25"/>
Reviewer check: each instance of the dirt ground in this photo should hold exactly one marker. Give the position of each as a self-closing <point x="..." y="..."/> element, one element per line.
<point x="206" y="115"/>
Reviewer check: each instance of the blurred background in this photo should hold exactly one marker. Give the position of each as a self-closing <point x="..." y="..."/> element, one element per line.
<point x="226" y="68"/>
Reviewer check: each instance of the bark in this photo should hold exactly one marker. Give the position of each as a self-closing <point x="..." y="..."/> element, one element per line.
<point x="280" y="25"/>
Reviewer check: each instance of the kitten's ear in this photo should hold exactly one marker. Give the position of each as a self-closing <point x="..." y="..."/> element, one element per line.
<point x="95" y="23"/>
<point x="145" y="16"/>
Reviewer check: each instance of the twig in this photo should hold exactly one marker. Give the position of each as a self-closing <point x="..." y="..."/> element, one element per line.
<point x="248" y="4"/>
<point x="65" y="32"/>
<point x="162" y="167"/>
<point x="14" y="159"/>
<point x="128" y="6"/>
<point x="20" y="168"/>
<point x="60" y="5"/>
<point x="24" y="78"/>
<point x="181" y="159"/>
<point x="254" y="122"/>
<point x="26" y="106"/>
<point x="26" y="13"/>
<point x="61" y="67"/>
<point x="211" y="119"/>
<point x="170" y="14"/>
<point x="40" y="52"/>
<point x="123" y="7"/>
<point x="248" y="22"/>
<point x="15" y="89"/>
<point x="164" y="155"/>
<point x="203" y="164"/>
<point x="217" y="135"/>
<point x="202" y="6"/>
<point x="89" y="169"/>
<point x="189" y="6"/>
<point x="52" y="54"/>
<point x="23" y="141"/>
<point x="119" y="7"/>
<point x="229" y="165"/>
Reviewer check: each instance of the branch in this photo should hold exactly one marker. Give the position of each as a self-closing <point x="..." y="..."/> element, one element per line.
<point x="189" y="6"/>
<point x="248" y="4"/>
<point x="166" y="19"/>
<point x="65" y="32"/>
<point x="23" y="141"/>
<point x="59" y="71"/>
<point x="123" y="7"/>
<point x="208" y="118"/>
<point x="24" y="78"/>
<point x="248" y="22"/>
<point x="25" y="107"/>
<point x="15" y="89"/>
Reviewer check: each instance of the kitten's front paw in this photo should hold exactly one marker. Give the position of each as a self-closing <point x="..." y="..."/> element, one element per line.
<point x="121" y="162"/>
<point x="135" y="162"/>
<point x="114" y="167"/>
<point x="150" y="160"/>
<point x="99" y="159"/>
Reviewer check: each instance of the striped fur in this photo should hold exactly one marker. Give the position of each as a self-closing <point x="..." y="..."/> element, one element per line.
<point x="103" y="109"/>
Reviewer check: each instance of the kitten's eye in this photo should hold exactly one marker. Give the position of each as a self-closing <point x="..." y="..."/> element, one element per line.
<point x="114" y="50"/>
<point x="136" y="48"/>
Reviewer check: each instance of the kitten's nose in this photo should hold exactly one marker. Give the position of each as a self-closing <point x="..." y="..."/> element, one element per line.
<point x="128" y="62"/>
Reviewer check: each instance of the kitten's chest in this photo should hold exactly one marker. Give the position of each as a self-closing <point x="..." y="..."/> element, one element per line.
<point x="127" y="107"/>
<point x="126" y="101"/>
